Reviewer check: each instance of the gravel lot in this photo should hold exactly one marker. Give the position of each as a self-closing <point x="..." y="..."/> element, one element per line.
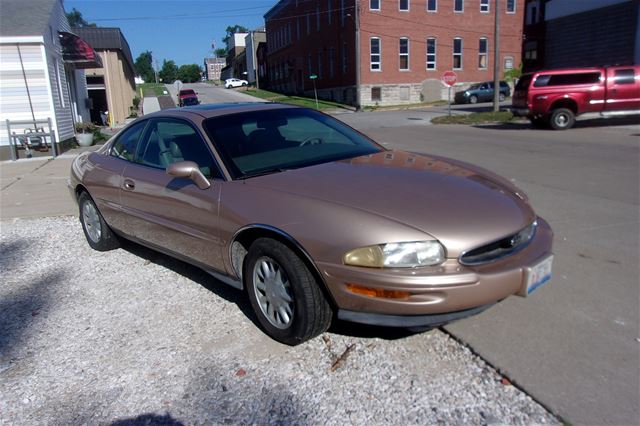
<point x="134" y="337"/>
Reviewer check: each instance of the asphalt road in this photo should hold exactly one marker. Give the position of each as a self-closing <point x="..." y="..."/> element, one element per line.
<point x="574" y="344"/>
<point x="209" y="94"/>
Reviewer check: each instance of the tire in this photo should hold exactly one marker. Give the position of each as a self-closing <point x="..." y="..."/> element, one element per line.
<point x="98" y="234"/>
<point x="502" y="97"/>
<point x="562" y="119"/>
<point x="244" y="84"/>
<point x="274" y="276"/>
<point x="473" y="99"/>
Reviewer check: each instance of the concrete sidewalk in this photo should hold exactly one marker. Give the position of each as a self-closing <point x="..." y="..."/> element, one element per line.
<point x="37" y="187"/>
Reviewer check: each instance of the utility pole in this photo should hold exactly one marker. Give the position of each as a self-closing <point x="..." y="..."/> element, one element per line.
<point x="155" y="69"/>
<point x="357" y="23"/>
<point x="496" y="59"/>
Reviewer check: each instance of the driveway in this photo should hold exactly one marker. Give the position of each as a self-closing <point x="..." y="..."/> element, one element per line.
<point x="210" y="94"/>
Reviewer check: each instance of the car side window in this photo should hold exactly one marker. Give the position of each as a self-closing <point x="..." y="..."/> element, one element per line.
<point x="626" y="76"/>
<point x="168" y="141"/>
<point x="125" y="146"/>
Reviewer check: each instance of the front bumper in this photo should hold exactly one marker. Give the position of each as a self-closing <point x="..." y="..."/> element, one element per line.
<point x="431" y="320"/>
<point x="445" y="289"/>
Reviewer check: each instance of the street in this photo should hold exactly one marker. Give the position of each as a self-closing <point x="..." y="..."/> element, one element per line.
<point x="573" y="344"/>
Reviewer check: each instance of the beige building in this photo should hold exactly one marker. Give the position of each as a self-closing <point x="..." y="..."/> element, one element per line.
<point x="112" y="87"/>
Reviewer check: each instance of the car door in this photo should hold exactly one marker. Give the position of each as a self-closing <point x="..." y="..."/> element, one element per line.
<point x="173" y="213"/>
<point x="623" y="88"/>
<point x="487" y="92"/>
<point x="105" y="180"/>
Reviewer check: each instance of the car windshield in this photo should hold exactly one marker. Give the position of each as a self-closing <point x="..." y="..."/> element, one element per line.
<point x="259" y="142"/>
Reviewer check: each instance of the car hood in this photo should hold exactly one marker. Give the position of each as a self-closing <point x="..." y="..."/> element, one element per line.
<point x="461" y="205"/>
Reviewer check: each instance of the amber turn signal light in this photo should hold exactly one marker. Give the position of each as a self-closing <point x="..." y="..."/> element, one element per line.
<point x="377" y="292"/>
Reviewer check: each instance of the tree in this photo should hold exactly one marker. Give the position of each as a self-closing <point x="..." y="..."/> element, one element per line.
<point x="169" y="71"/>
<point x="144" y="67"/>
<point x="231" y="30"/>
<point x="221" y="52"/>
<point x="76" y="20"/>
<point x="189" y="73"/>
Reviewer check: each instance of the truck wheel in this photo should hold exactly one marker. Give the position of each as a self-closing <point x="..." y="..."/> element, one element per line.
<point x="562" y="119"/>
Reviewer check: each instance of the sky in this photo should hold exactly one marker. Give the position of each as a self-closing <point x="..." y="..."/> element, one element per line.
<point x="180" y="30"/>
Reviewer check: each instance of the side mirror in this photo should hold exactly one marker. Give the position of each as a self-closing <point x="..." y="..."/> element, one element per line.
<point x="190" y="170"/>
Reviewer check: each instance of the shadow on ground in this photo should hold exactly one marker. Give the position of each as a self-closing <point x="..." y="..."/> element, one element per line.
<point x="239" y="298"/>
<point x="21" y="307"/>
<point x="581" y="124"/>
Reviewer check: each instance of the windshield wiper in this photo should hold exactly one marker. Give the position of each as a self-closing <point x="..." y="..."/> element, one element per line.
<point x="264" y="172"/>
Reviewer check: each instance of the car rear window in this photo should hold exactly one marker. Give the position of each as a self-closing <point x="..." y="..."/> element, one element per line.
<point x="187" y="92"/>
<point x="523" y="82"/>
<point x="544" y="80"/>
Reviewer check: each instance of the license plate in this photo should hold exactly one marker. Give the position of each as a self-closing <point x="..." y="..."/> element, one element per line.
<point x="537" y="275"/>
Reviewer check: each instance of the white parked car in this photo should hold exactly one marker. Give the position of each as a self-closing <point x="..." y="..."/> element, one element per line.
<point x="235" y="82"/>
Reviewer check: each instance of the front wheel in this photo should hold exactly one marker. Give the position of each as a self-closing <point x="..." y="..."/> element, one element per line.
<point x="284" y="294"/>
<point x="473" y="99"/>
<point x="562" y="119"/>
<point x="244" y="84"/>
<point x="99" y="236"/>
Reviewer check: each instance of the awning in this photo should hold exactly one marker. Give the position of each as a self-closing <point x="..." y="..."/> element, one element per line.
<point x="77" y="52"/>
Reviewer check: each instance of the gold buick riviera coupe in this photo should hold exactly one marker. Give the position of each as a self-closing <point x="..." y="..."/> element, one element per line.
<point x="313" y="219"/>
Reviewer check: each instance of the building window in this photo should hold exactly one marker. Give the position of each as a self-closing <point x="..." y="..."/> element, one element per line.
<point x="508" y="62"/>
<point x="458" y="6"/>
<point x="331" y="54"/>
<point x="56" y="64"/>
<point x="309" y="65"/>
<point x="329" y="12"/>
<point x="483" y="53"/>
<point x="432" y="5"/>
<point x="374" y="4"/>
<point x="343" y="12"/>
<point x="318" y="18"/>
<point x="376" y="94"/>
<point x="511" y="6"/>
<point x="457" y="53"/>
<point x="308" y="24"/>
<point x="404" y="53"/>
<point x="319" y="64"/>
<point x="431" y="53"/>
<point x="298" y="28"/>
<point x="344" y="58"/>
<point x="484" y="6"/>
<point x="375" y="54"/>
<point x="403" y="5"/>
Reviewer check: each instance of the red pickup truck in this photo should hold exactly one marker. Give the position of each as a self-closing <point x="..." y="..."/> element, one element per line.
<point x="557" y="97"/>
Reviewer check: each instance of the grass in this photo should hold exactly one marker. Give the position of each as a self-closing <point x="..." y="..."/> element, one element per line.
<point x="475" y="118"/>
<point x="293" y="100"/>
<point x="151" y="89"/>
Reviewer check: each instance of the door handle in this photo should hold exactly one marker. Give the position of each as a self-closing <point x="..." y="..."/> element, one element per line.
<point x="129" y="185"/>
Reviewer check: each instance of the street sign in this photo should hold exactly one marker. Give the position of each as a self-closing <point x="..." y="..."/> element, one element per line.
<point x="449" y="78"/>
<point x="177" y="85"/>
<point x="313" y="76"/>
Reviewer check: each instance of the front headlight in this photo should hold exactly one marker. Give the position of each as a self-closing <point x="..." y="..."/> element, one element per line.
<point x="397" y="255"/>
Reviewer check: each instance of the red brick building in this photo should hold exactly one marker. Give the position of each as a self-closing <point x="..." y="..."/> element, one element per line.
<point x="405" y="46"/>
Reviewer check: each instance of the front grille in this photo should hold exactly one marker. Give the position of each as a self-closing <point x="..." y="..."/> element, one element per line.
<point x="501" y="248"/>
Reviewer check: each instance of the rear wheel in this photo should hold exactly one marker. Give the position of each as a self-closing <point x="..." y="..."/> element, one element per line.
<point x="99" y="236"/>
<point x="473" y="99"/>
<point x="562" y="119"/>
<point x="284" y="294"/>
<point x="502" y="97"/>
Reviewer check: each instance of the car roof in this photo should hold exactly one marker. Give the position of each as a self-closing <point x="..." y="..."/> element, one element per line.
<point x="218" y="110"/>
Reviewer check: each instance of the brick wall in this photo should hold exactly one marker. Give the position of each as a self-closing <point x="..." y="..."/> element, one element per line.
<point x="312" y="37"/>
